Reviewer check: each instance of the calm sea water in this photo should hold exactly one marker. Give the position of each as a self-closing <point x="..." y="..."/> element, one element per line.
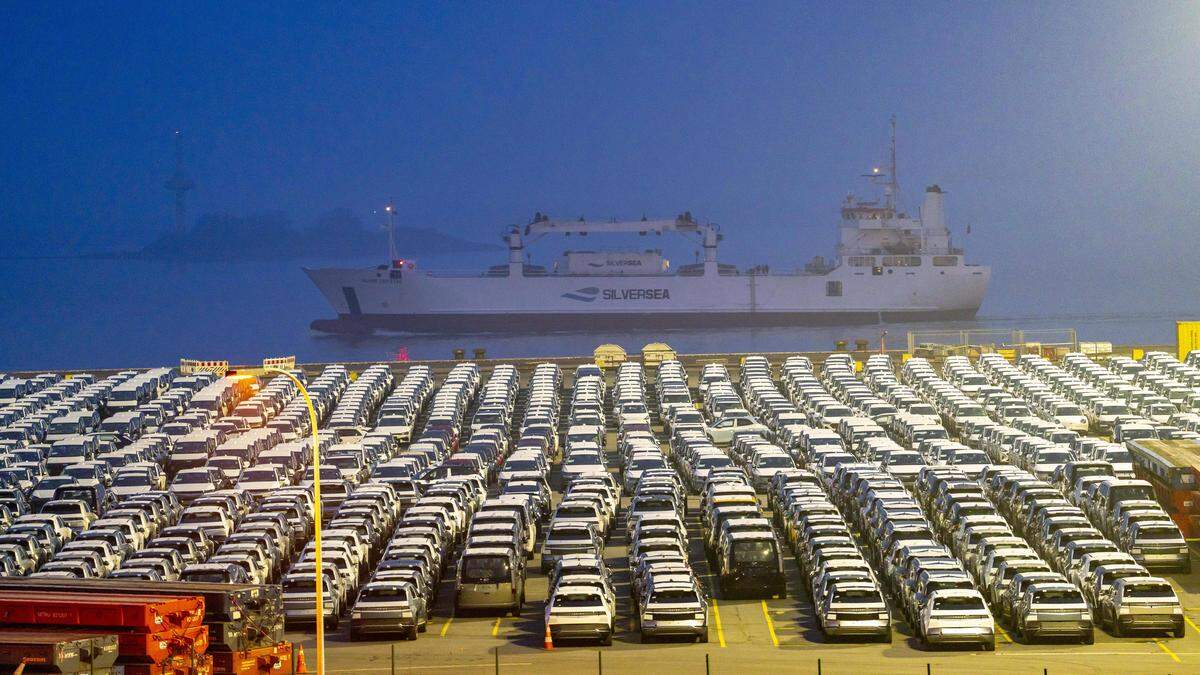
<point x="64" y="314"/>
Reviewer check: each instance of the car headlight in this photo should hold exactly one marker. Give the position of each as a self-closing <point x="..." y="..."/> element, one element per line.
<point x="699" y="616"/>
<point x="884" y="616"/>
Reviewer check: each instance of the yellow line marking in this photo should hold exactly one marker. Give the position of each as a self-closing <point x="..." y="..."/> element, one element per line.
<point x="770" y="623"/>
<point x="717" y="616"/>
<point x="1190" y="623"/>
<point x="446" y="626"/>
<point x="1162" y="645"/>
<point x="496" y="627"/>
<point x="1003" y="634"/>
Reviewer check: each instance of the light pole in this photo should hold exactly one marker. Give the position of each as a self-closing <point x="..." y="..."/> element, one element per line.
<point x="320" y="572"/>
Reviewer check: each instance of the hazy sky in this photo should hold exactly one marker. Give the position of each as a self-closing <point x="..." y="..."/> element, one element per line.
<point x="1066" y="133"/>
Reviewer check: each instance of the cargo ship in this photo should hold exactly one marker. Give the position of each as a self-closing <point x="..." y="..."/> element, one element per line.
<point x="889" y="267"/>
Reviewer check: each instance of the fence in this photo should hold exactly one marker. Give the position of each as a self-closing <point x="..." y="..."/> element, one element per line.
<point x="1049" y="342"/>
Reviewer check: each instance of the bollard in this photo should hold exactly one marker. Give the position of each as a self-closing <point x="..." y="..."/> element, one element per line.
<point x="928" y="669"/>
<point x="497" y="660"/>
<point x="459" y="354"/>
<point x="393" y="658"/>
<point x="480" y="353"/>
<point x="707" y="670"/>
<point x="600" y="662"/>
<point x="860" y="345"/>
<point x="818" y="666"/>
<point x="840" y="346"/>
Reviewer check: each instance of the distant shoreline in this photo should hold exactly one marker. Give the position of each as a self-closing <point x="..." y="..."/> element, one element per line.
<point x="150" y="257"/>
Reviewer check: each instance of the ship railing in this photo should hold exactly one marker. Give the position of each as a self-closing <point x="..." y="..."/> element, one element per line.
<point x="457" y="274"/>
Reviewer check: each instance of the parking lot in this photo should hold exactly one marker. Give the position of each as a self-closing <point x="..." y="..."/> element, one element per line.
<point x="745" y="635"/>
<point x="877" y="498"/>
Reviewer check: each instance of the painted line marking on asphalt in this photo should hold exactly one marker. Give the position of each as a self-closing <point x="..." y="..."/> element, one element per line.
<point x="446" y="626"/>
<point x="1162" y="645"/>
<point x="440" y="667"/>
<point x="1004" y="635"/>
<point x="496" y="627"/>
<point x="770" y="623"/>
<point x="1191" y="623"/>
<point x="717" y="616"/>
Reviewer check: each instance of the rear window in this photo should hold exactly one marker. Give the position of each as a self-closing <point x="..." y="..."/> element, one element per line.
<point x="1149" y="591"/>
<point x="1058" y="596"/>
<point x="959" y="603"/>
<point x="385" y="593"/>
<point x="857" y="595"/>
<point x="576" y="600"/>
<point x="486" y="569"/>
<point x="676" y="595"/>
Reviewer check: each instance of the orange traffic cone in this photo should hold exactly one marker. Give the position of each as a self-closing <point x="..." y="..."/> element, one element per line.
<point x="548" y="642"/>
<point x="301" y="667"/>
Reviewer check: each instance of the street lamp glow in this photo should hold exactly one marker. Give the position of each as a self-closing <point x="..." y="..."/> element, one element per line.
<point x="319" y="576"/>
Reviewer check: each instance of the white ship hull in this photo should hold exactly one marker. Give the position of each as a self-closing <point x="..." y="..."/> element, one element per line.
<point x="370" y="299"/>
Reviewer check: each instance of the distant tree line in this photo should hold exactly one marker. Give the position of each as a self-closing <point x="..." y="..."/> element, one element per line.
<point x="273" y="235"/>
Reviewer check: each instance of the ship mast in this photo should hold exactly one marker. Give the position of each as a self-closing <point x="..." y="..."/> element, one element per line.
<point x="892" y="191"/>
<point x="391" y="231"/>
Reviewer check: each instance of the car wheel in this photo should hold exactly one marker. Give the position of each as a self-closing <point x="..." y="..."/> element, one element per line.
<point x="1179" y="631"/>
<point x="1089" y="638"/>
<point x="989" y="646"/>
<point x="1116" y="629"/>
<point x="354" y="635"/>
<point x="606" y="640"/>
<point x="704" y="637"/>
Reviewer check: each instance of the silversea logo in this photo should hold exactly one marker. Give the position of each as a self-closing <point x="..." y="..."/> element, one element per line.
<point x="590" y="293"/>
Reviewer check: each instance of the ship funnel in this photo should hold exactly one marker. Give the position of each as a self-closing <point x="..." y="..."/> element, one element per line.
<point x="933" y="210"/>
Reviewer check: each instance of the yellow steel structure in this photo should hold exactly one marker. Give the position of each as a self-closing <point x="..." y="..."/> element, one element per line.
<point x="319" y="576"/>
<point x="609" y="355"/>
<point x="1187" y="336"/>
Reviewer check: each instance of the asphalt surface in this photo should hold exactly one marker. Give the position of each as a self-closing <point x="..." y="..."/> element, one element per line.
<point x="744" y="636"/>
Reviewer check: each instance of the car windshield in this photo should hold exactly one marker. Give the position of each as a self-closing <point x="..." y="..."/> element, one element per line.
<point x="67" y="451"/>
<point x="258" y="475"/>
<point x="580" y="458"/>
<point x="754" y="552"/>
<point x="1126" y="492"/>
<point x="775" y="462"/>
<point x="49" y="484"/>
<point x="968" y="602"/>
<point x="713" y="462"/>
<point x="195" y="478"/>
<point x="67" y="509"/>
<point x="522" y="465"/>
<point x="644" y="463"/>
<point x="904" y="459"/>
<point x="489" y="569"/>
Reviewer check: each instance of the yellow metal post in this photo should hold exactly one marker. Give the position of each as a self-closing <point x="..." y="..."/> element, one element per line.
<point x="1187" y="335"/>
<point x="320" y="574"/>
